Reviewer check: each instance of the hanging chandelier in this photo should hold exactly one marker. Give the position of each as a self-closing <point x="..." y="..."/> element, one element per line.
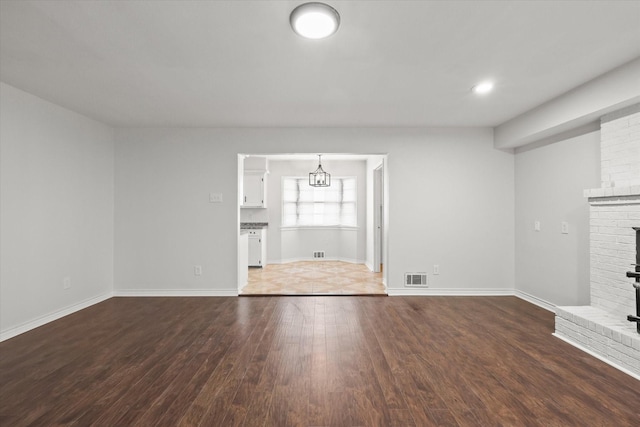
<point x="319" y="178"/>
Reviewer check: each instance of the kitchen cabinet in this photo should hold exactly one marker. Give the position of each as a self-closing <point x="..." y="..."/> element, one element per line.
<point x="257" y="248"/>
<point x="254" y="188"/>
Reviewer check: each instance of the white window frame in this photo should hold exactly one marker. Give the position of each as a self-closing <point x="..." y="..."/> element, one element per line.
<point x="304" y="181"/>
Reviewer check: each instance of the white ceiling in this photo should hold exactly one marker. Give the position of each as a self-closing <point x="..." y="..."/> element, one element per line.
<point x="237" y="63"/>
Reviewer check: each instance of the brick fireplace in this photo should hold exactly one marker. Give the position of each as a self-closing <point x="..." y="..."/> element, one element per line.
<point x="602" y="328"/>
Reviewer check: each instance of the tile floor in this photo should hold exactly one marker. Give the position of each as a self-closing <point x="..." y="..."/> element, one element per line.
<point x="314" y="278"/>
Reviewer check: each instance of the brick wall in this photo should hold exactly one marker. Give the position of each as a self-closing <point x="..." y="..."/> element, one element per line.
<point x="610" y="337"/>
<point x="602" y="327"/>
<point x="613" y="250"/>
<point x="615" y="209"/>
<point x="620" y="148"/>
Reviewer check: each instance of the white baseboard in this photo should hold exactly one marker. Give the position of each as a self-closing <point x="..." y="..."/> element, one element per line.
<point x="448" y="292"/>
<point x="43" y="320"/>
<point x="473" y="292"/>
<point x="536" y="301"/>
<point x="597" y="356"/>
<point x="12" y="332"/>
<point x="290" y="260"/>
<point x="175" y="293"/>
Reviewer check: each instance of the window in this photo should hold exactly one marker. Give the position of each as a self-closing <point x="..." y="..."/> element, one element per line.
<point x="304" y="205"/>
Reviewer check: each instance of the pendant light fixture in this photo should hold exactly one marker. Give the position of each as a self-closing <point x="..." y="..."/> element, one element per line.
<point x="314" y="20"/>
<point x="319" y="178"/>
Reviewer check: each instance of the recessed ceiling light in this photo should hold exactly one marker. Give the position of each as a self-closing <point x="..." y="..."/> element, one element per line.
<point x="483" y="88"/>
<point x="314" y="20"/>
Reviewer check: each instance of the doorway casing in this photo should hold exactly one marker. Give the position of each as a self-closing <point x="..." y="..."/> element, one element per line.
<point x="376" y="226"/>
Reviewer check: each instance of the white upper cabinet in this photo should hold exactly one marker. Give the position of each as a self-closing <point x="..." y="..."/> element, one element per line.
<point x="255" y="182"/>
<point x="254" y="190"/>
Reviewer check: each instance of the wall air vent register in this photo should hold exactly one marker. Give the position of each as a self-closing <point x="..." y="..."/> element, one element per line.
<point x="415" y="280"/>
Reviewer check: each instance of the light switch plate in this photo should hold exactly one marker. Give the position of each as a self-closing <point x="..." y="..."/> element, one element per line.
<point x="215" y="197"/>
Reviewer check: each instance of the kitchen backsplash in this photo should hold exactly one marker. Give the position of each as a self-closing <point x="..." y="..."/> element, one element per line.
<point x="254" y="215"/>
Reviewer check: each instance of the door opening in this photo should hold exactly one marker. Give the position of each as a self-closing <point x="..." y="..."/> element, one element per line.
<point x="378" y="219"/>
<point x="288" y="247"/>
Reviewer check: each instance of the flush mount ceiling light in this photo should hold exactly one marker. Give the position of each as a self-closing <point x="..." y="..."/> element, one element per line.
<point x="483" y="88"/>
<point x="314" y="20"/>
<point x="319" y="178"/>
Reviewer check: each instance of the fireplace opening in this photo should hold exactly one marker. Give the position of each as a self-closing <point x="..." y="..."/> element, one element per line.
<point x="636" y="275"/>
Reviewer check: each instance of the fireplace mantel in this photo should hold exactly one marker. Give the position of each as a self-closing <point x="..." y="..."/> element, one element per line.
<point x="613" y="192"/>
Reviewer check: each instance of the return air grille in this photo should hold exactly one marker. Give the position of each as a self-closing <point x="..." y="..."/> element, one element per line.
<point x="415" y="280"/>
<point x="318" y="254"/>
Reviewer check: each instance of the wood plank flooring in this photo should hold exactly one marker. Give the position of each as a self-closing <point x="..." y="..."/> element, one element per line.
<point x="308" y="361"/>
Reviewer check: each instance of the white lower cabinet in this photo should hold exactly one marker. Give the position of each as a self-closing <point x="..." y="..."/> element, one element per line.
<point x="257" y="248"/>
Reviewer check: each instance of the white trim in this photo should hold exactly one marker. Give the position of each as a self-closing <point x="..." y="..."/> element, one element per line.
<point x="472" y="292"/>
<point x="535" y="300"/>
<point x="48" y="318"/>
<point x="287" y="261"/>
<point x="319" y="227"/>
<point x="175" y="293"/>
<point x="597" y="356"/>
<point x="448" y="292"/>
<point x="290" y="260"/>
<point x="43" y="320"/>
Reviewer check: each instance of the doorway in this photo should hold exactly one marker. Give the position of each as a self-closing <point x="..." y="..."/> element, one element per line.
<point x="378" y="219"/>
<point x="352" y="252"/>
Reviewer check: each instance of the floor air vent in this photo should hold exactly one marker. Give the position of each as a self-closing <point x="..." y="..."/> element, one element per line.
<point x="318" y="254"/>
<point x="415" y="279"/>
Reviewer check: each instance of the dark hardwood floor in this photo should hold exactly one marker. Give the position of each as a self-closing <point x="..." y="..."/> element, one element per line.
<point x="309" y="361"/>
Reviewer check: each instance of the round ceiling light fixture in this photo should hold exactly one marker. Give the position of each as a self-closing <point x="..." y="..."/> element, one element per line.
<point x="483" y="88"/>
<point x="314" y="20"/>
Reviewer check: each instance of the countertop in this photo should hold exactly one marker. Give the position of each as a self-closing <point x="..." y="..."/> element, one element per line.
<point x="253" y="225"/>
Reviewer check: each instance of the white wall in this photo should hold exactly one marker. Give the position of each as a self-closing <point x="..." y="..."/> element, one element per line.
<point x="56" y="210"/>
<point x="550" y="180"/>
<point x="451" y="202"/>
<point x="293" y="244"/>
<point x="164" y="223"/>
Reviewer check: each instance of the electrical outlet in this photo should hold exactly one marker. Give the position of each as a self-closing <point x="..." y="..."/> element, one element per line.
<point x="66" y="283"/>
<point x="536" y="225"/>
<point x="436" y="269"/>
<point x="565" y="227"/>
<point x="197" y="270"/>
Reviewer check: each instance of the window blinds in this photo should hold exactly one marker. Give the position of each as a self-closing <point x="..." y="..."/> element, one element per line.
<point x="303" y="205"/>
